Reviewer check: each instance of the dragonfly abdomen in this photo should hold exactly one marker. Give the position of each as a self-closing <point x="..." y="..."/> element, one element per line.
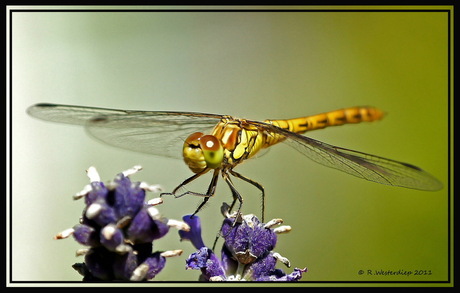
<point x="319" y="121"/>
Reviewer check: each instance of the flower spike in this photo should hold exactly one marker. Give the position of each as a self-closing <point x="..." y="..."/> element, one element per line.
<point x="118" y="227"/>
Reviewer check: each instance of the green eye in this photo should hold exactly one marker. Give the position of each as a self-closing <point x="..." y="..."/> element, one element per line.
<point x="213" y="151"/>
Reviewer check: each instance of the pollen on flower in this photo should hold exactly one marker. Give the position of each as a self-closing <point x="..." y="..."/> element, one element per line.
<point x="155" y="201"/>
<point x="93" y="210"/>
<point x="131" y="171"/>
<point x="179" y="225"/>
<point x="273" y="223"/>
<point x="151" y="188"/>
<point x="282" y="259"/>
<point x="81" y="252"/>
<point x="139" y="273"/>
<point x="216" y="279"/>
<point x="154" y="213"/>
<point x="64" y="234"/>
<point x="282" y="229"/>
<point x="109" y="231"/>
<point x="83" y="192"/>
<point x="92" y="174"/>
<point x="171" y="253"/>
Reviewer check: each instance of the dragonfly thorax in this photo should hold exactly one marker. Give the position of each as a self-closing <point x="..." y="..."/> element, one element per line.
<point x="202" y="152"/>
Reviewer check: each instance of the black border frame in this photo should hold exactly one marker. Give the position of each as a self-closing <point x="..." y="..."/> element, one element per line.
<point x="253" y="9"/>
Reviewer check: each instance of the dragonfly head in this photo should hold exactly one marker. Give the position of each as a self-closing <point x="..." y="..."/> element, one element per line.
<point x="202" y="151"/>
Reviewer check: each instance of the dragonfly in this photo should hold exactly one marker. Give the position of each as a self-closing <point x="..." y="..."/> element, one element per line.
<point x="218" y="143"/>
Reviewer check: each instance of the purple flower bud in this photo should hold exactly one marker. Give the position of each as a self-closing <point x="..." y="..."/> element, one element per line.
<point x="229" y="263"/>
<point x="194" y="234"/>
<point x="124" y="265"/>
<point x="86" y="235"/>
<point x="198" y="259"/>
<point x="249" y="239"/>
<point x="206" y="261"/>
<point x="99" y="262"/>
<point x="101" y="213"/>
<point x="262" y="240"/>
<point x="262" y="267"/>
<point x="155" y="263"/>
<point x="98" y="193"/>
<point x="279" y="276"/>
<point x="112" y="237"/>
<point x="128" y="197"/>
<point x="144" y="228"/>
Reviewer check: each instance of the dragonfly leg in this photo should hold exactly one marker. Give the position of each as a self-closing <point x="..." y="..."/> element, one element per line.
<point x="209" y="193"/>
<point x="236" y="195"/>
<point x="256" y="184"/>
<point x="185" y="182"/>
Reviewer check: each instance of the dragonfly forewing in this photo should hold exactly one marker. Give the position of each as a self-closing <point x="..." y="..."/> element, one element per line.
<point x="152" y="132"/>
<point x="156" y="134"/>
<point x="76" y="115"/>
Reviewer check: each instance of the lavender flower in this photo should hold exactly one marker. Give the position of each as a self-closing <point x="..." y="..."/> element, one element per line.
<point x="246" y="254"/>
<point x="119" y="227"/>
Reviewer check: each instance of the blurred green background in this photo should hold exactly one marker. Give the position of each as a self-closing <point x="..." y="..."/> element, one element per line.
<point x="254" y="65"/>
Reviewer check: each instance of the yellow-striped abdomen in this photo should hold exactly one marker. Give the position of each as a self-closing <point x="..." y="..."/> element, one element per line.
<point x="333" y="118"/>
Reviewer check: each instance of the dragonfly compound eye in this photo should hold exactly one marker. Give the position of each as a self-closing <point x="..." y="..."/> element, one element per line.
<point x="193" y="154"/>
<point x="202" y="151"/>
<point x="193" y="140"/>
<point x="212" y="150"/>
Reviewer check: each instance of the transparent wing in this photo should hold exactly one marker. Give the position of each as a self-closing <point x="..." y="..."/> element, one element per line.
<point x="362" y="165"/>
<point x="157" y="133"/>
<point x="151" y="132"/>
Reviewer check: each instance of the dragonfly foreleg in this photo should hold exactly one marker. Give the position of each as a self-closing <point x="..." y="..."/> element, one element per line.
<point x="210" y="192"/>
<point x="185" y="182"/>
<point x="256" y="184"/>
